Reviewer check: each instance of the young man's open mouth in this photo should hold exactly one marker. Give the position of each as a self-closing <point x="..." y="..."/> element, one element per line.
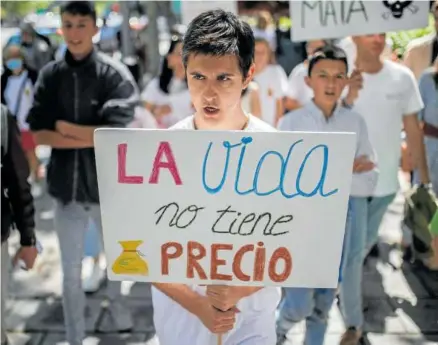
<point x="211" y="111"/>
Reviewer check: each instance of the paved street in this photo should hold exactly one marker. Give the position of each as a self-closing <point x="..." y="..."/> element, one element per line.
<point x="401" y="301"/>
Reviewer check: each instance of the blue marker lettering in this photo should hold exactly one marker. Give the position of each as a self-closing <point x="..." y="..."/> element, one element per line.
<point x="320" y="184"/>
<point x="283" y="170"/>
<point x="259" y="166"/>
<point x="228" y="146"/>
<point x="245" y="140"/>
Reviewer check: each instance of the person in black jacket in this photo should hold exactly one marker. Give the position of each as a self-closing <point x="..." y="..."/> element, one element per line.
<point x="74" y="96"/>
<point x="17" y="204"/>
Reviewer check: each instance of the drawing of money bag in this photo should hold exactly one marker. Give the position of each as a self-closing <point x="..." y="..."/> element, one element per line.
<point x="131" y="261"/>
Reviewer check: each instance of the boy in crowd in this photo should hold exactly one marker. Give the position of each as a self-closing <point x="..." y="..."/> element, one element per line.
<point x="218" y="55"/>
<point x="327" y="77"/>
<point x="74" y="96"/>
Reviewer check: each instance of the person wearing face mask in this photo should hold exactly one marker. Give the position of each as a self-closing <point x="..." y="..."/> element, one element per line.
<point x="169" y="92"/>
<point x="37" y="49"/>
<point x="17" y="87"/>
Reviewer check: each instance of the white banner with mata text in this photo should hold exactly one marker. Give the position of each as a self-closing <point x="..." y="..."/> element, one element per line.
<point x="237" y="208"/>
<point x="340" y="18"/>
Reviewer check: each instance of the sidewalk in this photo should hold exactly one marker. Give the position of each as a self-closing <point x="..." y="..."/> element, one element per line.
<point x="401" y="301"/>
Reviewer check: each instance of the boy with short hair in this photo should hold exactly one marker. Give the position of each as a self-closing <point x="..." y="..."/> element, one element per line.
<point x="218" y="55"/>
<point x="327" y="77"/>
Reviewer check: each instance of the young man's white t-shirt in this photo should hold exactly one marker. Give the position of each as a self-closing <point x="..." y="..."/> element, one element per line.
<point x="386" y="97"/>
<point x="178" y="99"/>
<point x="272" y="82"/>
<point x="255" y="324"/>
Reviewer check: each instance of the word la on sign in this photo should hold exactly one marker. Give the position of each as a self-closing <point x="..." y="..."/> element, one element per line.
<point x="239" y="208"/>
<point x="326" y="19"/>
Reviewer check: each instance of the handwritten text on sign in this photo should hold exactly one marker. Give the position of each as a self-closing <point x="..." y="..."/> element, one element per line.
<point x="339" y="18"/>
<point x="224" y="207"/>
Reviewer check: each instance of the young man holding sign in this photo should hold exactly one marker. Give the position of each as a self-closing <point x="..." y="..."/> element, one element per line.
<point x="218" y="54"/>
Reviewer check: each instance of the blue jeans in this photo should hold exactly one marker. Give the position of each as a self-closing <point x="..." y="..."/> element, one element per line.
<point x="367" y="214"/>
<point x="92" y="245"/>
<point x="71" y="223"/>
<point x="312" y="305"/>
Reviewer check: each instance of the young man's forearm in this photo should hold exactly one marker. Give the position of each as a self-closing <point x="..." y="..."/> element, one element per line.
<point x="419" y="153"/>
<point x="58" y="141"/>
<point x="415" y="140"/>
<point x="183" y="295"/>
<point x="279" y="111"/>
<point x="291" y="104"/>
<point x="83" y="133"/>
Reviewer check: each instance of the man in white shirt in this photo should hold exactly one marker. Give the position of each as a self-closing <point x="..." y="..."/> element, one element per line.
<point x="218" y="56"/>
<point x="328" y="75"/>
<point x="388" y="100"/>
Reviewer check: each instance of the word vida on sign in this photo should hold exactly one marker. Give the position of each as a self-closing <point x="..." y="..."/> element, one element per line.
<point x="165" y="160"/>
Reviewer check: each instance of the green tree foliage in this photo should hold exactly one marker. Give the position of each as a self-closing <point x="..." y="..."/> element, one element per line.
<point x="21" y="8"/>
<point x="401" y="39"/>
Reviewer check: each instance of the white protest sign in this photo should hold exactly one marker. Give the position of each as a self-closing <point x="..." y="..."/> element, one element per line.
<point x="193" y="8"/>
<point x="237" y="208"/>
<point x="335" y="19"/>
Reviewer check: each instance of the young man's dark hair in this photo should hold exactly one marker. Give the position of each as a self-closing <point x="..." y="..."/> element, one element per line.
<point x="220" y="33"/>
<point x="328" y="52"/>
<point x="81" y="8"/>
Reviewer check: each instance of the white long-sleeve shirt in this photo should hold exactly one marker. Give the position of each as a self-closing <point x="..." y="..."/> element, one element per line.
<point x="310" y="118"/>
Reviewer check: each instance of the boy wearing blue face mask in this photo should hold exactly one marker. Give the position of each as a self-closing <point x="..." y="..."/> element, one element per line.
<point x="17" y="86"/>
